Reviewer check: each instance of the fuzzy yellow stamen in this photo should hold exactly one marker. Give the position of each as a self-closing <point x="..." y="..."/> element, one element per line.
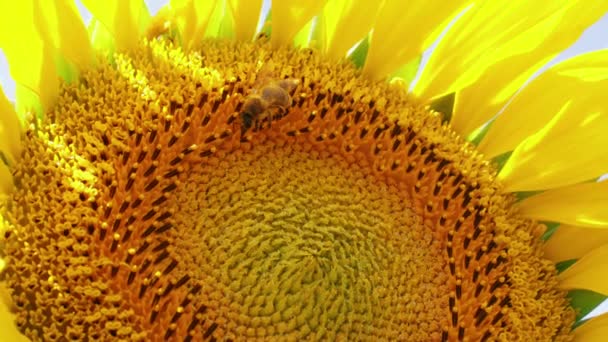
<point x="141" y="211"/>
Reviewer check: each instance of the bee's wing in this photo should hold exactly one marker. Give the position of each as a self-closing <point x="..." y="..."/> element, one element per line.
<point x="275" y="95"/>
<point x="289" y="84"/>
<point x="264" y="75"/>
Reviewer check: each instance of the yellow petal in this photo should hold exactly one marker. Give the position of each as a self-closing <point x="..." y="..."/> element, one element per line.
<point x="6" y="179"/>
<point x="571" y="242"/>
<point x="594" y="330"/>
<point x="570" y="149"/>
<point x="7" y="320"/>
<point x="495" y="47"/>
<point x="10" y="130"/>
<point x="580" y="82"/>
<point x="246" y="14"/>
<point x="125" y="20"/>
<point x="402" y="30"/>
<point x="583" y="205"/>
<point x="191" y="18"/>
<point x="30" y="59"/>
<point x="588" y="273"/>
<point x="345" y="23"/>
<point x="65" y="29"/>
<point x="288" y="17"/>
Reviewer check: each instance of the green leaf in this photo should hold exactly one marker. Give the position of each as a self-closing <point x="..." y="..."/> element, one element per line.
<point x="359" y="55"/>
<point x="584" y="301"/>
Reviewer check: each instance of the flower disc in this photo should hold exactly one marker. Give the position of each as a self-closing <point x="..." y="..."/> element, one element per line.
<point x="145" y="211"/>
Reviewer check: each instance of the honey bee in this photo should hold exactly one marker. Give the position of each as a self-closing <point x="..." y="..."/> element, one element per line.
<point x="273" y="100"/>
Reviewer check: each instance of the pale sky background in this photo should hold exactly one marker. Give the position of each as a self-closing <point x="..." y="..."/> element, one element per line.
<point x="594" y="38"/>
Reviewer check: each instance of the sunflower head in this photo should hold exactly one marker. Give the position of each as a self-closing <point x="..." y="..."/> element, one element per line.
<point x="210" y="173"/>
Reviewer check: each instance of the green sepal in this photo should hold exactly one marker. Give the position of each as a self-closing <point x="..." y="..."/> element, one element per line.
<point x="304" y="37"/>
<point x="318" y="33"/>
<point x="359" y="54"/>
<point x="552" y="227"/>
<point x="583" y="302"/>
<point x="564" y="265"/>
<point x="408" y="71"/>
<point x="144" y="19"/>
<point x="522" y="195"/>
<point x="267" y="26"/>
<point x="501" y="159"/>
<point x="444" y="105"/>
<point x="226" y="30"/>
<point x="27" y="102"/>
<point x="214" y="25"/>
<point x="101" y="39"/>
<point x="66" y="70"/>
<point x="477" y="135"/>
<point x="4" y="159"/>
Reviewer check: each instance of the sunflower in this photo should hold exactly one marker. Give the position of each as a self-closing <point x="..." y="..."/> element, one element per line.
<point x="208" y="173"/>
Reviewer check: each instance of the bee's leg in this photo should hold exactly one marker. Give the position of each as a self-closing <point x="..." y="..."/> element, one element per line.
<point x="246" y="121"/>
<point x="270" y="118"/>
<point x="274" y="114"/>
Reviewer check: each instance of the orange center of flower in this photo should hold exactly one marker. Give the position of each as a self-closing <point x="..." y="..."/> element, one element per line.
<point x="153" y="203"/>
